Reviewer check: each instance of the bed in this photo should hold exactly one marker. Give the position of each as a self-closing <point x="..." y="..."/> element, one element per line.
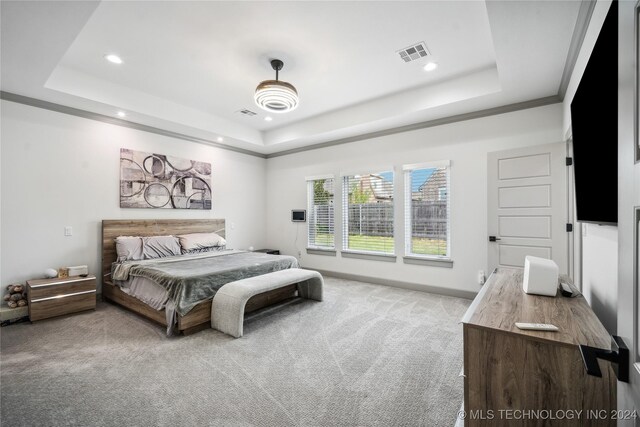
<point x="199" y="316"/>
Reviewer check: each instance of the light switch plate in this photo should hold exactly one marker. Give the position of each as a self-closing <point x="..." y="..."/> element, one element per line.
<point x="68" y="231"/>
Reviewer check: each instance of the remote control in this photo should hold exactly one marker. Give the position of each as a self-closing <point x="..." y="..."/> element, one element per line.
<point x="537" y="326"/>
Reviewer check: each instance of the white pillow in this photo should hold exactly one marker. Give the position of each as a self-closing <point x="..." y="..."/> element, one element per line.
<point x="192" y="241"/>
<point x="129" y="248"/>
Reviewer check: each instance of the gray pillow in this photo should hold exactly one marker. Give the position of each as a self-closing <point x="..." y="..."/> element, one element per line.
<point x="160" y="246"/>
<point x="129" y="248"/>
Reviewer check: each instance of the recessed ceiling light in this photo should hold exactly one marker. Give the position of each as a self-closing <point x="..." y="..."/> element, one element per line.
<point x="121" y="114"/>
<point x="113" y="58"/>
<point x="268" y="118"/>
<point x="430" y="66"/>
<point x="220" y="139"/>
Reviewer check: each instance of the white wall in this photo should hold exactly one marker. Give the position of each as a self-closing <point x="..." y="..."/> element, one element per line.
<point x="60" y="170"/>
<point x="600" y="271"/>
<point x="598" y="275"/>
<point x="466" y="144"/>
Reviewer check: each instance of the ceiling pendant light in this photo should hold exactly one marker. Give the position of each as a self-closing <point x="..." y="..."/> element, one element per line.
<point x="276" y="96"/>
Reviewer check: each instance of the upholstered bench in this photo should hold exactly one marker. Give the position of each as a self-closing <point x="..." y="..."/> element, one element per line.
<point x="227" y="309"/>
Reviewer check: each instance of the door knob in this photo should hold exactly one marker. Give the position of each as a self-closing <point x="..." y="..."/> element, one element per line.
<point x="493" y="238"/>
<point x="618" y="356"/>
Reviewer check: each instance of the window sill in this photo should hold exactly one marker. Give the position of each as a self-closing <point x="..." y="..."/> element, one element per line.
<point x="433" y="262"/>
<point x="372" y="256"/>
<point x="321" y="251"/>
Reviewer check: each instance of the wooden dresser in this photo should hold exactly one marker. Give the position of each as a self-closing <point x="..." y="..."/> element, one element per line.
<point x="55" y="297"/>
<point x="532" y="378"/>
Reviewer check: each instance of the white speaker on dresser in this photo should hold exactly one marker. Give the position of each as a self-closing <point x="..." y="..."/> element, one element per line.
<point x="540" y="276"/>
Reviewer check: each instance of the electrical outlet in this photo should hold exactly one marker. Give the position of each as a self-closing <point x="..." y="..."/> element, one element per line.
<point x="481" y="278"/>
<point x="68" y="231"/>
<point x="299" y="254"/>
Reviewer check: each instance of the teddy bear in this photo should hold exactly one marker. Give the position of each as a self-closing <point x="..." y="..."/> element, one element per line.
<point x="15" y="296"/>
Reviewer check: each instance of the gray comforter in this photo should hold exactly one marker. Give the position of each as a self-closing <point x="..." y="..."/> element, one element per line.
<point x="191" y="279"/>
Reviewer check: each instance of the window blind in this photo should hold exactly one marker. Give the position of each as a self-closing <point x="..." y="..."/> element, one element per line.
<point x="427" y="212"/>
<point x="320" y="228"/>
<point x="367" y="212"/>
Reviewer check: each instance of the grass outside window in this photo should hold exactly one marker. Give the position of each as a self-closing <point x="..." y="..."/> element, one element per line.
<point x="358" y="242"/>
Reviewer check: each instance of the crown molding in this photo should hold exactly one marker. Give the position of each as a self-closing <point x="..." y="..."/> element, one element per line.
<point x="38" y="103"/>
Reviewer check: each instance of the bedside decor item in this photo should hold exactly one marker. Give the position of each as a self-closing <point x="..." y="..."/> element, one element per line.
<point x="50" y="273"/>
<point x="63" y="273"/>
<point x="78" y="270"/>
<point x="276" y="96"/>
<point x="149" y="180"/>
<point x="540" y="276"/>
<point x="15" y="296"/>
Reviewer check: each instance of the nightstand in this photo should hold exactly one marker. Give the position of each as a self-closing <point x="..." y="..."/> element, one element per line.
<point x="55" y="297"/>
<point x="269" y="251"/>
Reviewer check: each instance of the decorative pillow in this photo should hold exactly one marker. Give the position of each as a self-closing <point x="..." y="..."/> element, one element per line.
<point x="209" y="249"/>
<point x="160" y="246"/>
<point x="192" y="241"/>
<point x="129" y="248"/>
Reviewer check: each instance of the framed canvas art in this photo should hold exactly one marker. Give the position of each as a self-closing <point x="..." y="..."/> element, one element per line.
<point x="149" y="180"/>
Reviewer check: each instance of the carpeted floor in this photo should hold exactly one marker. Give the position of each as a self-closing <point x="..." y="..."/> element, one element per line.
<point x="368" y="355"/>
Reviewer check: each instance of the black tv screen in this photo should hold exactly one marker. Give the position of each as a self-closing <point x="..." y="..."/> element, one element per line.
<point x="594" y="123"/>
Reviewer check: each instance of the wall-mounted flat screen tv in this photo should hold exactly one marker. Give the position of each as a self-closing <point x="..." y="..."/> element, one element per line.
<point x="594" y="124"/>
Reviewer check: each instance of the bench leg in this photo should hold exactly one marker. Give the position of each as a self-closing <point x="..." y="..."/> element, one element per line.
<point x="311" y="289"/>
<point x="227" y="315"/>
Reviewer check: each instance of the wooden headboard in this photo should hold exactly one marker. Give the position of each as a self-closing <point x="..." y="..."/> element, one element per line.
<point x="112" y="228"/>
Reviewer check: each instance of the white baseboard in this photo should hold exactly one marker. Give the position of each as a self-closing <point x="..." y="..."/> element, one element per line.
<point x="398" y="284"/>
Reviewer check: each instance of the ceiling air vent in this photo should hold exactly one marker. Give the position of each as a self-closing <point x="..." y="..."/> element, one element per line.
<point x="246" y="112"/>
<point x="413" y="52"/>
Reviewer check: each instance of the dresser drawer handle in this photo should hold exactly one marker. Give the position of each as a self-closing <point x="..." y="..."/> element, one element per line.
<point x="63" y="296"/>
<point x="62" y="282"/>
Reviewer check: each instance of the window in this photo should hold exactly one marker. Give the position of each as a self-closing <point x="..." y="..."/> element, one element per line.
<point x="367" y="210"/>
<point x="320" y="213"/>
<point x="426" y="207"/>
<point x="442" y="193"/>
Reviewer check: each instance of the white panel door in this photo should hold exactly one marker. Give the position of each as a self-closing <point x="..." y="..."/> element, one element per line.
<point x="527" y="205"/>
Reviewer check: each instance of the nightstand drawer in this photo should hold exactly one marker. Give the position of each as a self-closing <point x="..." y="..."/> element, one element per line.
<point x="61" y="287"/>
<point x="43" y="308"/>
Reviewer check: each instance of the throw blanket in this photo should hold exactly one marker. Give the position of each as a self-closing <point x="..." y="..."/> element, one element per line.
<point x="191" y="279"/>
